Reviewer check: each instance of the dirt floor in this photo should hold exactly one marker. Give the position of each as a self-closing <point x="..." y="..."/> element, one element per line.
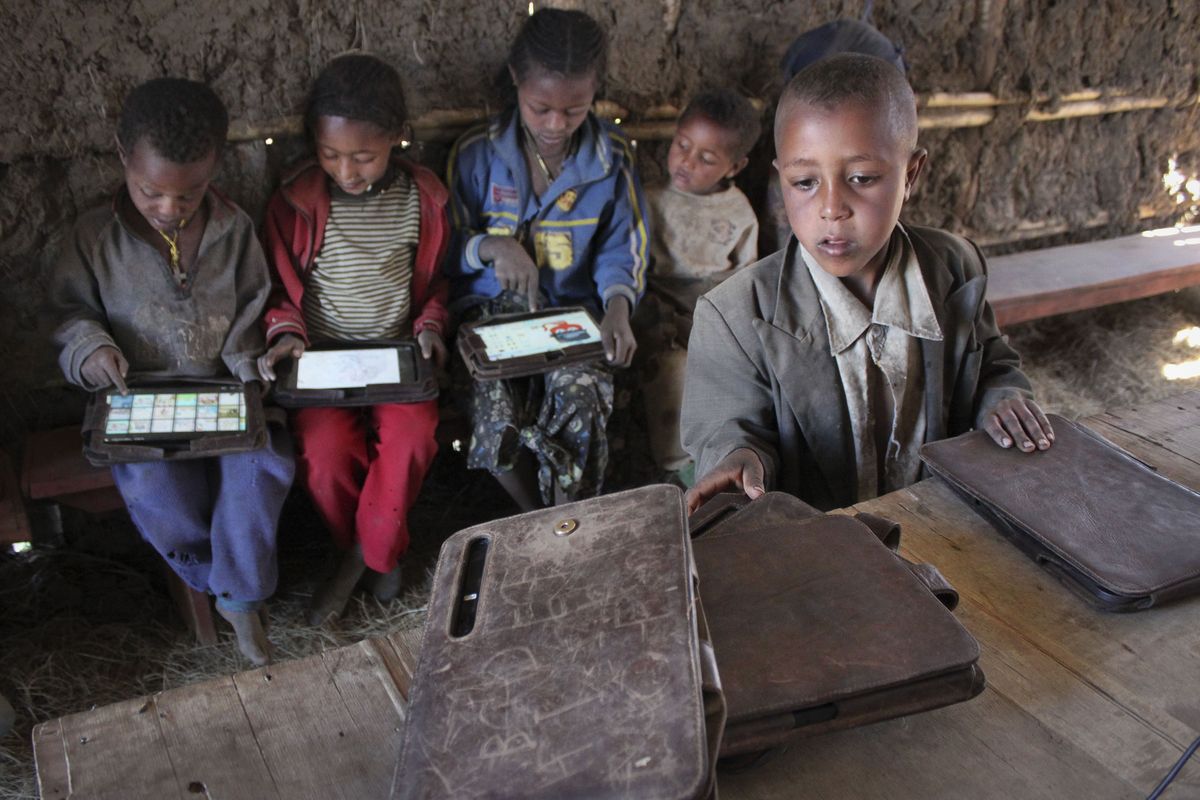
<point x="89" y="623"/>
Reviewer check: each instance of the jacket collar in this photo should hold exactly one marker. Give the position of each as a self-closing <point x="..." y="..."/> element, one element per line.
<point x="305" y="187"/>
<point x="593" y="159"/>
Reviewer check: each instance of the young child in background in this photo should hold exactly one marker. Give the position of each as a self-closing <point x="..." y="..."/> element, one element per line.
<point x="548" y="211"/>
<point x="356" y="238"/>
<point x="168" y="280"/>
<point x="704" y="228"/>
<point x="821" y="369"/>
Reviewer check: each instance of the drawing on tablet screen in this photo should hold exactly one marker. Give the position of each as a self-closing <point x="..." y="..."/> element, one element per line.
<point x="539" y="335"/>
<point x="347" y="369"/>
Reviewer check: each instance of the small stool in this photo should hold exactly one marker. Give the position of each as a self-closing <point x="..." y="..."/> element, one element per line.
<point x="54" y="470"/>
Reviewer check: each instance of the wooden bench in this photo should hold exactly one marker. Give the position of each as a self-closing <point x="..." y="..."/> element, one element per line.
<point x="1058" y="280"/>
<point x="54" y="470"/>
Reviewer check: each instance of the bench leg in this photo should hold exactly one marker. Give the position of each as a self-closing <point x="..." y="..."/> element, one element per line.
<point x="195" y="608"/>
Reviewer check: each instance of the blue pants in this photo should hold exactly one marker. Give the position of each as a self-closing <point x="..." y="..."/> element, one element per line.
<point x="215" y="519"/>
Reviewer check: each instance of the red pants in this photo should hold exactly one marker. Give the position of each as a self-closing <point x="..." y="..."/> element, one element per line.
<point x="363" y="468"/>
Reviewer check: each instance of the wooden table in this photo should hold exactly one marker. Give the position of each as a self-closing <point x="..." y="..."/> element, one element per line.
<point x="1079" y="703"/>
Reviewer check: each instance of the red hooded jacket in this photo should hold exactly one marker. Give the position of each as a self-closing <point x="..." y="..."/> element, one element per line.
<point x="295" y="231"/>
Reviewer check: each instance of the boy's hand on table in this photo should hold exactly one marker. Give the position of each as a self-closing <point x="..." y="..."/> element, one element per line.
<point x="286" y="345"/>
<point x="432" y="346"/>
<point x="515" y="270"/>
<point x="1016" y="420"/>
<point x="617" y="334"/>
<point x="106" y="367"/>
<point x="741" y="470"/>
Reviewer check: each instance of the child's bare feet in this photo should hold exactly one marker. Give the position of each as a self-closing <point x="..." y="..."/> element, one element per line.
<point x="386" y="585"/>
<point x="251" y="636"/>
<point x="330" y="600"/>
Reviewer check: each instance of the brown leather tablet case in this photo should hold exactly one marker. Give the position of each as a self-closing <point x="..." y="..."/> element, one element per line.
<point x="562" y="658"/>
<point x="819" y="626"/>
<point x="102" y="449"/>
<point x="1118" y="534"/>
<point x="484" y="367"/>
<point x="417" y="380"/>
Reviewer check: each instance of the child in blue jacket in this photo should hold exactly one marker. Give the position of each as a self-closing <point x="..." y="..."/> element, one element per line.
<point x="547" y="210"/>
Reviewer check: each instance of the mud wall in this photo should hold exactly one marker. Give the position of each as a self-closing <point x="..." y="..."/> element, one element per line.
<point x="66" y="64"/>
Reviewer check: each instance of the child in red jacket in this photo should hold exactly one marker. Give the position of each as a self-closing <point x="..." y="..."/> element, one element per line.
<point x="356" y="240"/>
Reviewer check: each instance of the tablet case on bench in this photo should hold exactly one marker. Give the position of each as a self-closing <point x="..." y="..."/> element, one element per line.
<point x="103" y="447"/>
<point x="562" y="658"/>
<point x="417" y="380"/>
<point x="1118" y="534"/>
<point x="571" y="335"/>
<point x="818" y="626"/>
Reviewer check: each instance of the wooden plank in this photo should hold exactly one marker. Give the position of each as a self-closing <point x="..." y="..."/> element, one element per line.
<point x="194" y="607"/>
<point x="115" y="750"/>
<point x="1144" y="664"/>
<point x="211" y="743"/>
<point x="406" y="645"/>
<point x="308" y="735"/>
<point x="986" y="748"/>
<point x="1057" y="280"/>
<point x="53" y="465"/>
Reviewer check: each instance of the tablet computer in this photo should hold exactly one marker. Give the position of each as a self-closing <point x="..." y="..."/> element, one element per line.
<point x="517" y="345"/>
<point x="156" y="421"/>
<point x="356" y="374"/>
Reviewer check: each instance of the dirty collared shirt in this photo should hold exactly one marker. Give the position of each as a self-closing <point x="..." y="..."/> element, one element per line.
<point x="111" y="287"/>
<point x="879" y="362"/>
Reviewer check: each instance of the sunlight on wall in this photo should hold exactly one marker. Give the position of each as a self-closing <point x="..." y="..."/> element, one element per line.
<point x="1184" y="190"/>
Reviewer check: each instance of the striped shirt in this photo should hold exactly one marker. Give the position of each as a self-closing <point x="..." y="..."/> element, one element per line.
<point x="360" y="284"/>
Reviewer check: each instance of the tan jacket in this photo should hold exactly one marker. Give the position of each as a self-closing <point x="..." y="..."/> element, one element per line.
<point x="760" y="375"/>
<point x="111" y="287"/>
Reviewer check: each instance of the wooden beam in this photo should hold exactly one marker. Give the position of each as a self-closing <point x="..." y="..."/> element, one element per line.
<point x="935" y="110"/>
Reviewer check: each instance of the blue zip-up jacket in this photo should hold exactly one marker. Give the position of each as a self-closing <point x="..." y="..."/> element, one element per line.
<point x="589" y="231"/>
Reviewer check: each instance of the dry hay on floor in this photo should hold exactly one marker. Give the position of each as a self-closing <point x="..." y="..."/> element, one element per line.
<point x="91" y="624"/>
<point x="1083" y="363"/>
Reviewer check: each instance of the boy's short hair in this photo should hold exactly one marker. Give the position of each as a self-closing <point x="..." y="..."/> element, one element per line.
<point x="730" y="111"/>
<point x="182" y="120"/>
<point x="851" y="78"/>
<point x="359" y="87"/>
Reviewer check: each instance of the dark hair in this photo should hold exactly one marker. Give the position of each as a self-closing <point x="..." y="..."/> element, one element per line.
<point x="358" y="87"/>
<point x="731" y="112"/>
<point x="182" y="120"/>
<point x="569" y="43"/>
<point x="853" y="79"/>
<point x="840" y="36"/>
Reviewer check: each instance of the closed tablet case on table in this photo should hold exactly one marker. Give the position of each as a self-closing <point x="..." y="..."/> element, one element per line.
<point x="1118" y="534"/>
<point x="103" y="450"/>
<point x="417" y="380"/>
<point x="818" y="626"/>
<point x="485" y="367"/>
<point x="561" y="658"/>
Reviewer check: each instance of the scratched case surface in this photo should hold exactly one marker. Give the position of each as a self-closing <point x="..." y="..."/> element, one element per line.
<point x="581" y="675"/>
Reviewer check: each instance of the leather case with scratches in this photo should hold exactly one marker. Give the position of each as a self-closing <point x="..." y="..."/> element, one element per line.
<point x="818" y="626"/>
<point x="1117" y="534"/>
<point x="564" y="655"/>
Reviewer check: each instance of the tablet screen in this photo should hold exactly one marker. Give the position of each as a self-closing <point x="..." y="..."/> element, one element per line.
<point x="542" y="334"/>
<point x="355" y="369"/>
<point x="181" y="413"/>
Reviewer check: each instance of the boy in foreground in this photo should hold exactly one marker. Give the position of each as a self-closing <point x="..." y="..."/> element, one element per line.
<point x="820" y="370"/>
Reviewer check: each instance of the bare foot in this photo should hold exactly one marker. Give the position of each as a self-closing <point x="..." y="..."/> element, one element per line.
<point x="386" y="585"/>
<point x="251" y="637"/>
<point x="329" y="601"/>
